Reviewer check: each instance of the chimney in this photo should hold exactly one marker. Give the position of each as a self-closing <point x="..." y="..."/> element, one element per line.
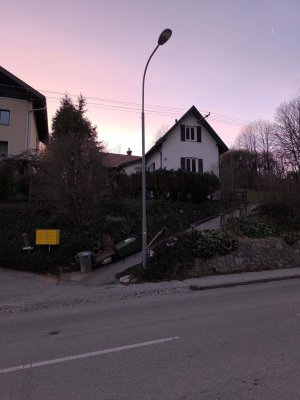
<point x="176" y="121"/>
<point x="129" y="152"/>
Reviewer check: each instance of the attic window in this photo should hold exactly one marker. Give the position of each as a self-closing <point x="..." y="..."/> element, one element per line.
<point x="190" y="133"/>
<point x="4" y="117"/>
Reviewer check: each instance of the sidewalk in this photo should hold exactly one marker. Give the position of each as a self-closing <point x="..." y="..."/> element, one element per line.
<point x="25" y="291"/>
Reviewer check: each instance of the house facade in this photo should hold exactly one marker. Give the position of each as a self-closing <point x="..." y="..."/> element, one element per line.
<point x="23" y="116"/>
<point x="191" y="144"/>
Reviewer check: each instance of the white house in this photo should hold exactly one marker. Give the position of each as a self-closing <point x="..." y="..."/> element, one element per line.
<point x="191" y="144"/>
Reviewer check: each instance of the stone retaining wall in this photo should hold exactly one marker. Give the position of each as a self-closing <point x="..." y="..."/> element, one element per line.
<point x="252" y="255"/>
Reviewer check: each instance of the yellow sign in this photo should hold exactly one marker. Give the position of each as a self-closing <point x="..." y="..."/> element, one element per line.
<point x="47" y="236"/>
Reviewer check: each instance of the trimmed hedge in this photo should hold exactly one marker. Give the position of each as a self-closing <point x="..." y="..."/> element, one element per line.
<point x="178" y="185"/>
<point x="113" y="221"/>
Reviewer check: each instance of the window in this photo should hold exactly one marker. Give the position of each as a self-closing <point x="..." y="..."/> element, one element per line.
<point x="151" y="167"/>
<point x="3" y="149"/>
<point x="4" y="117"/>
<point x="190" y="133"/>
<point x="192" y="164"/>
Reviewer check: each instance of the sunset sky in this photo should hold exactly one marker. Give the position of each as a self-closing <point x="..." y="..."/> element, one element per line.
<point x="237" y="59"/>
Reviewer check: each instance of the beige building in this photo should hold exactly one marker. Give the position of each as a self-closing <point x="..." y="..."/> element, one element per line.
<point x="23" y="116"/>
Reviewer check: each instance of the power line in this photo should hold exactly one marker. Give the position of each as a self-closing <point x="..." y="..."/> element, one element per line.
<point x="118" y="105"/>
<point x="135" y="107"/>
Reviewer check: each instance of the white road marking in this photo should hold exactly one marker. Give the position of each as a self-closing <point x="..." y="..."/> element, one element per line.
<point x="85" y="355"/>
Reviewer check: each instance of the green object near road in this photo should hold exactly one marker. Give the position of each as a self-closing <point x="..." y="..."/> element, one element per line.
<point x="128" y="246"/>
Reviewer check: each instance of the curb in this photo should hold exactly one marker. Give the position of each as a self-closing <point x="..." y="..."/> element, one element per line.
<point x="232" y="284"/>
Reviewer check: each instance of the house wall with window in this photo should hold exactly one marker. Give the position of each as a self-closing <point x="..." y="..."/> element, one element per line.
<point x="174" y="149"/>
<point x="18" y="129"/>
<point x="154" y="161"/>
<point x="191" y="144"/>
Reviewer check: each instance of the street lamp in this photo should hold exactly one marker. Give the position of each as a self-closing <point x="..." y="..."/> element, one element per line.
<point x="163" y="38"/>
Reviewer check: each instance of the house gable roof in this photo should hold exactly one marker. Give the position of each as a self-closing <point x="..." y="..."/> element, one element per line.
<point x="14" y="88"/>
<point x="193" y="110"/>
<point x="113" y="160"/>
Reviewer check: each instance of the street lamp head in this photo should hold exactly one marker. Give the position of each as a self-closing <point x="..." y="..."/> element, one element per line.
<point x="164" y="36"/>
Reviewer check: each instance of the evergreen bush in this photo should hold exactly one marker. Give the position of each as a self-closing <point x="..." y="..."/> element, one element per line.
<point x="176" y="185"/>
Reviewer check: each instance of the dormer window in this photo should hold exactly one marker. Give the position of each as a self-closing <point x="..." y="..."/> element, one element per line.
<point x="4" y="117"/>
<point x="190" y="133"/>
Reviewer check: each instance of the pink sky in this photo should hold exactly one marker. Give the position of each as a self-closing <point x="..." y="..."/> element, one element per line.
<point x="235" y="58"/>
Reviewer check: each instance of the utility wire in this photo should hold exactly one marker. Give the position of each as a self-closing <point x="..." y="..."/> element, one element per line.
<point x="136" y="106"/>
<point x="126" y="106"/>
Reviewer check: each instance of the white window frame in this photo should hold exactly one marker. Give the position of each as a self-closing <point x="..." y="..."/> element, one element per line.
<point x="188" y="133"/>
<point x="188" y="161"/>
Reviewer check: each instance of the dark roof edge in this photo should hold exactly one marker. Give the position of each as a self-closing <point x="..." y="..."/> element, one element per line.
<point x="39" y="101"/>
<point x="222" y="146"/>
<point x="130" y="162"/>
<point x="22" y="83"/>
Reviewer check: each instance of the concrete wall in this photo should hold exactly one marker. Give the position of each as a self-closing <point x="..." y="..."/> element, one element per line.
<point x="252" y="255"/>
<point x="15" y="132"/>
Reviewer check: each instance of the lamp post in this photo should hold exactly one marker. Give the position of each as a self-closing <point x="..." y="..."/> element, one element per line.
<point x="163" y="38"/>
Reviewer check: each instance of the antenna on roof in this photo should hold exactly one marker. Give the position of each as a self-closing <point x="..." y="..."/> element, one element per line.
<point x="205" y="116"/>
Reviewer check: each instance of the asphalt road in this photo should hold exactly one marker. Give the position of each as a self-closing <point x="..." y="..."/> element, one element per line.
<point x="234" y="343"/>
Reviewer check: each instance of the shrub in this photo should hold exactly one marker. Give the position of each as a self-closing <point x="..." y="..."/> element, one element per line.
<point x="259" y="228"/>
<point x="210" y="243"/>
<point x="27" y="218"/>
<point x="253" y="227"/>
<point x="290" y="237"/>
<point x="176" y="185"/>
<point x="14" y="179"/>
<point x="176" y="255"/>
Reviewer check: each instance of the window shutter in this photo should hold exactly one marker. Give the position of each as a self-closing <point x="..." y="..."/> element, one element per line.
<point x="200" y="165"/>
<point x="198" y="133"/>
<point x="182" y="130"/>
<point x="182" y="159"/>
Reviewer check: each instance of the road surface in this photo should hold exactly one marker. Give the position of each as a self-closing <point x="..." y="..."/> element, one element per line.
<point x="234" y="343"/>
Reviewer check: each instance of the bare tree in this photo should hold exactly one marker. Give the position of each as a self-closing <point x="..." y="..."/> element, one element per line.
<point x="247" y="139"/>
<point x="258" y="138"/>
<point x="287" y="133"/>
<point x="160" y="132"/>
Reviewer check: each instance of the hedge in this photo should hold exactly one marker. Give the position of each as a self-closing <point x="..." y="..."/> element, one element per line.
<point x="178" y="185"/>
<point x="113" y="221"/>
